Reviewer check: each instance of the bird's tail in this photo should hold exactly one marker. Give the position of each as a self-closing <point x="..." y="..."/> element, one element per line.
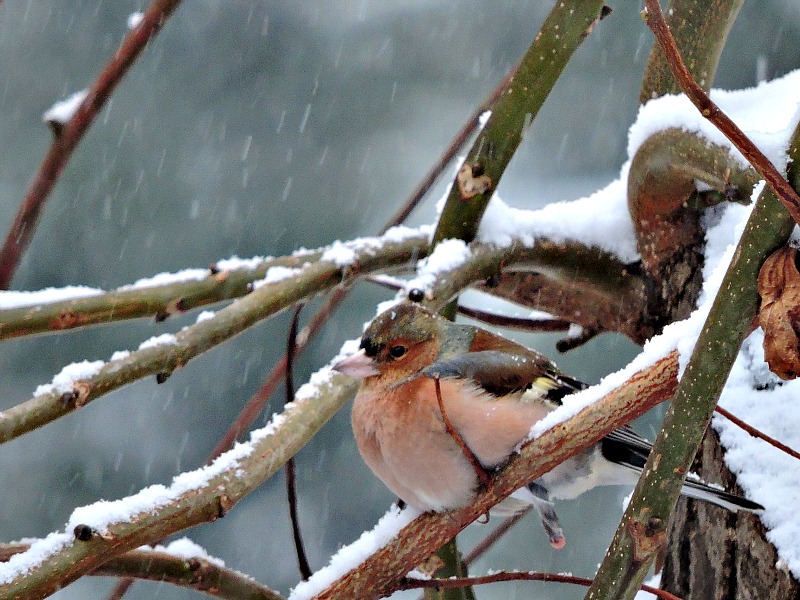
<point x="703" y="491"/>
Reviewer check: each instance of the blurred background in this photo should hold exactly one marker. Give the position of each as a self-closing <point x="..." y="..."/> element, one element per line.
<point x="254" y="127"/>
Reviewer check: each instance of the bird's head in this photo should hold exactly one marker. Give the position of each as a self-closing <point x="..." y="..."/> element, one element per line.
<point x="398" y="343"/>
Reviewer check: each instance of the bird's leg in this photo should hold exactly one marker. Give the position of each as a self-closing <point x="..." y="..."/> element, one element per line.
<point x="480" y="472"/>
<point x="550" y="520"/>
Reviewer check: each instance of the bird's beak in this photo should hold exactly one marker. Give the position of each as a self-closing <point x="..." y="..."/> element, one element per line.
<point x="358" y="365"/>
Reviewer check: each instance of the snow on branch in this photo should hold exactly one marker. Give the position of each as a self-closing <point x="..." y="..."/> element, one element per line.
<point x="164" y="294"/>
<point x="77" y="386"/>
<point x="106" y="529"/>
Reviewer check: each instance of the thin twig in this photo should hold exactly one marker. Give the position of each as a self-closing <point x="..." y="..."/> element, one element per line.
<point x="291" y="491"/>
<point x="408" y="583"/>
<point x="788" y="196"/>
<point x="545" y="325"/>
<point x="490" y="540"/>
<point x="480" y="472"/>
<point x="24" y="225"/>
<point x="756" y="433"/>
<point x="521" y="323"/>
<point x="467" y="129"/>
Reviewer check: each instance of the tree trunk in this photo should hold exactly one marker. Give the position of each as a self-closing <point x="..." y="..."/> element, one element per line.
<point x="715" y="554"/>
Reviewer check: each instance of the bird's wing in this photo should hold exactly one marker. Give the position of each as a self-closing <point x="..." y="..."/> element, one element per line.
<point x="502" y="373"/>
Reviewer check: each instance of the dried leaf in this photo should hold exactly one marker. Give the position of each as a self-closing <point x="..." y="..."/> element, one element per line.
<point x="779" y="315"/>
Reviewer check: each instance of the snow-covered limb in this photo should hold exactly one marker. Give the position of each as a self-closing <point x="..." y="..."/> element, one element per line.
<point x="772" y="174"/>
<point x="109" y="529"/>
<point x="68" y="393"/>
<point x="56" y="309"/>
<point x="381" y="572"/>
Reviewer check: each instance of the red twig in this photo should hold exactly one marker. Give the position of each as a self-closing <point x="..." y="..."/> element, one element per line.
<point x="21" y="231"/>
<point x="490" y="540"/>
<point x="522" y="323"/>
<point x="291" y="490"/>
<point x="655" y="21"/>
<point x="408" y="583"/>
<point x="480" y="472"/>
<point x="756" y="433"/>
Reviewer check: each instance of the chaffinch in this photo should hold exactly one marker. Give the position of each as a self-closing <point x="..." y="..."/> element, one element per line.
<point x="492" y="390"/>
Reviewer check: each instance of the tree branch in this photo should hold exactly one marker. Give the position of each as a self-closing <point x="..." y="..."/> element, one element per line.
<point x="194" y="573"/>
<point x="194" y="498"/>
<point x="161" y="360"/>
<point x="21" y="231"/>
<point x="499" y="576"/>
<point x="180" y="293"/>
<point x="565" y="28"/>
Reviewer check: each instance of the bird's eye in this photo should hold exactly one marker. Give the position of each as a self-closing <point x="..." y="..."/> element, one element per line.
<point x="397" y="351"/>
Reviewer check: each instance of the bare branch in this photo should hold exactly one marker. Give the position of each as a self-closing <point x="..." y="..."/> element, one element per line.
<point x="198" y="574"/>
<point x="499" y="576"/>
<point x="491" y="539"/>
<point x="756" y="433"/>
<point x="291" y="490"/>
<point x="21" y="232"/>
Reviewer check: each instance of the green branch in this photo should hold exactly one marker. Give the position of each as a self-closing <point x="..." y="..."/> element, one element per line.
<point x="565" y="28"/>
<point x="154" y="301"/>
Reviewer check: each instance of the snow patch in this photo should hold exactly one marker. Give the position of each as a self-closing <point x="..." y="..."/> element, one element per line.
<point x="61" y="112"/>
<point x="351" y="556"/>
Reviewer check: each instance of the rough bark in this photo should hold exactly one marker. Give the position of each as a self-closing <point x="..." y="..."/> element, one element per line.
<point x="716" y="554"/>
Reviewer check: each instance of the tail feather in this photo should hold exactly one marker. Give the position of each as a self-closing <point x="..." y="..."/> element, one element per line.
<point x="702" y="491"/>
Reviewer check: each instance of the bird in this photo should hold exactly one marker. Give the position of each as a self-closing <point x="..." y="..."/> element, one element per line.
<point x="428" y="448"/>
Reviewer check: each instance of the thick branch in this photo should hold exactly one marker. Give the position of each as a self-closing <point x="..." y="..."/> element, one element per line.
<point x="787" y="195"/>
<point x="561" y="34"/>
<point x="234" y="479"/>
<point x="380" y="574"/>
<point x="662" y="191"/>
<point x="666" y="209"/>
<point x="65" y="142"/>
